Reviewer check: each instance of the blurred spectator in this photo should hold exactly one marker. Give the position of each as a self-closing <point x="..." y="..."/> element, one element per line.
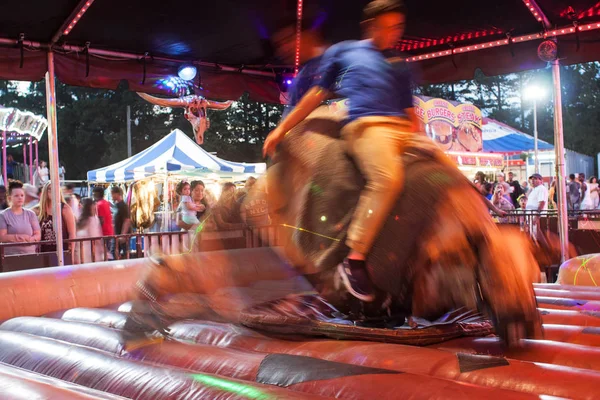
<point x="88" y="225"/>
<point x="500" y="199"/>
<point x="122" y="221"/>
<point x="17" y="224"/>
<point x="199" y="200"/>
<point x="516" y="190"/>
<point x="3" y="202"/>
<point x="573" y="193"/>
<point x="525" y="188"/>
<point x="61" y="172"/>
<point x="46" y="219"/>
<point x="590" y="199"/>
<point x="10" y="167"/>
<point x="227" y="211"/>
<point x="42" y="174"/>
<point x="488" y="190"/>
<point x="505" y="186"/>
<point x="254" y="209"/>
<point x="538" y="198"/>
<point x="584" y="189"/>
<point x="71" y="199"/>
<point x="187" y="209"/>
<point x="32" y="197"/>
<point x="553" y="194"/>
<point x="105" y="217"/>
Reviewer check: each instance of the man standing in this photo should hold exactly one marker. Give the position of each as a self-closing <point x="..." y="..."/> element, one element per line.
<point x="516" y="190"/>
<point x="538" y="198"/>
<point x="105" y="217"/>
<point x="574" y="193"/>
<point x="122" y="220"/>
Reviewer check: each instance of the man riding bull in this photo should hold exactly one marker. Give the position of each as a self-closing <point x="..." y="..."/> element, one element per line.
<point x="380" y="121"/>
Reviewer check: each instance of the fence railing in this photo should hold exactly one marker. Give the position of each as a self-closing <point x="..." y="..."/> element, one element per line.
<point x="136" y="245"/>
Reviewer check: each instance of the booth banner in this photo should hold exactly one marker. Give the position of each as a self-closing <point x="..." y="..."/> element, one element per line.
<point x="453" y="128"/>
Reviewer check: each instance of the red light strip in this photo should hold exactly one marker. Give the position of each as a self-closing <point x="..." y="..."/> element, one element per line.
<point x="534" y="9"/>
<point x="77" y="17"/>
<point x="504" y="42"/>
<point x="298" y="35"/>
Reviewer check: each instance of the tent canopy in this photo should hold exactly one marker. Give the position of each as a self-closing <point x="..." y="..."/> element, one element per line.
<point x="501" y="138"/>
<point x="174" y="152"/>
<point x="228" y="33"/>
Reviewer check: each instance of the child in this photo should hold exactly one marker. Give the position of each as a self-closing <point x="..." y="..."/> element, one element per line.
<point x="380" y="121"/>
<point x="187" y="208"/>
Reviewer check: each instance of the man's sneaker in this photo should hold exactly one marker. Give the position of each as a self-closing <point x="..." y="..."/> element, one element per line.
<point x="356" y="280"/>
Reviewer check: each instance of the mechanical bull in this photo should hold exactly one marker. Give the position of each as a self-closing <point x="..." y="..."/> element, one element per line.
<point x="195" y="110"/>
<point x="438" y="251"/>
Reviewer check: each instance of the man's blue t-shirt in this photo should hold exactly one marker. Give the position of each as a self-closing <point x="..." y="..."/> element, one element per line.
<point x="302" y="82"/>
<point x="374" y="83"/>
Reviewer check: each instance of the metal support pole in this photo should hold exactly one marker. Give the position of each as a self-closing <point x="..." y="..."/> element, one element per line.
<point x="53" y="156"/>
<point x="128" y="131"/>
<point x="37" y="155"/>
<point x="563" y="217"/>
<point x="4" y="174"/>
<point x="535" y="138"/>
<point x="24" y="158"/>
<point x="30" y="160"/>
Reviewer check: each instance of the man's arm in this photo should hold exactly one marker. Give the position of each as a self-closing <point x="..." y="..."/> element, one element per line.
<point x="309" y="102"/>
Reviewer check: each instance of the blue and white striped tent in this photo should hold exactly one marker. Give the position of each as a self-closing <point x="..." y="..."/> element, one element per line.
<point x="501" y="138"/>
<point x="175" y="152"/>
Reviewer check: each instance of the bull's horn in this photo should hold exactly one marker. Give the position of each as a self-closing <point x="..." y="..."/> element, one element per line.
<point x="164" y="102"/>
<point x="219" y="105"/>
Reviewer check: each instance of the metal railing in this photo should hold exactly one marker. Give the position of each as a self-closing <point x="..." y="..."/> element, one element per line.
<point x="137" y="245"/>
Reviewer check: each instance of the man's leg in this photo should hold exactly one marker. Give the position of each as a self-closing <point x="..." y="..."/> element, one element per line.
<point x="375" y="145"/>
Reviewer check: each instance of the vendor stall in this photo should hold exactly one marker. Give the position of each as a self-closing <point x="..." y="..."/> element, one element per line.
<point x="174" y="158"/>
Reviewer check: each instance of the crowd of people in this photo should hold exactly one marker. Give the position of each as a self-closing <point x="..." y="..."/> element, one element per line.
<point x="234" y="209"/>
<point x="28" y="217"/>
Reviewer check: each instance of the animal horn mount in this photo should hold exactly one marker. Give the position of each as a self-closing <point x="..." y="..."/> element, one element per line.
<point x="195" y="110"/>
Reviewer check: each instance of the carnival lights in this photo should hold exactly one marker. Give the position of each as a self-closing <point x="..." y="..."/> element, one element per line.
<point x="77" y="17"/>
<point x="518" y="39"/>
<point x="298" y="35"/>
<point x="187" y="72"/>
<point x="534" y="9"/>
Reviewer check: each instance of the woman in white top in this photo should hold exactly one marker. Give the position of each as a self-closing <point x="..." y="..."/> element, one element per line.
<point x="42" y="174"/>
<point x="590" y="198"/>
<point x="88" y="225"/>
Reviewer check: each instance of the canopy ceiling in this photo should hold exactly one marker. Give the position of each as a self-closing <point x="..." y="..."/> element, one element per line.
<point x="235" y="34"/>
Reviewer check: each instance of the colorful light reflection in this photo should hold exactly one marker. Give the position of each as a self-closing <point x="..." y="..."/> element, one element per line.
<point x="240" y="389"/>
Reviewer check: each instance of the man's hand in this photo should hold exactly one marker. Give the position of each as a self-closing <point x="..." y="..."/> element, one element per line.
<point x="271" y="142"/>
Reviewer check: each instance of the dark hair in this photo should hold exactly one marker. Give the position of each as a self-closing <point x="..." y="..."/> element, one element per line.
<point x="592" y="177"/>
<point x="572" y="176"/>
<point x="98" y="192"/>
<point x="13" y="185"/>
<point x="488" y="187"/>
<point x="182" y="185"/>
<point x="69" y="186"/>
<point x="379" y="7"/>
<point x="193" y="184"/>
<point x="116" y="190"/>
<point x="86" y="212"/>
<point x="228" y="185"/>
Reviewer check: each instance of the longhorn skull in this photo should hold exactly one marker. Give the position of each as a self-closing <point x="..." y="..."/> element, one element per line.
<point x="195" y="110"/>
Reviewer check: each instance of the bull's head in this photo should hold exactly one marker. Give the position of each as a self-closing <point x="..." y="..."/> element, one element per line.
<point x="195" y="110"/>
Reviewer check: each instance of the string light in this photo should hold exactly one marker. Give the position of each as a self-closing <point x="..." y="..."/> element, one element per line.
<point x="496" y="43"/>
<point x="78" y="16"/>
<point x="534" y="9"/>
<point x="298" y="35"/>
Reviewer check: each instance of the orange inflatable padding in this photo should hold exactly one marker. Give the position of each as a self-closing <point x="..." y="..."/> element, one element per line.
<point x="126" y="378"/>
<point x="542" y="351"/>
<point x="19" y="384"/>
<point x="479" y="370"/>
<point x="581" y="271"/>
<point x="570" y="317"/>
<point x="585" y="335"/>
<point x="564" y="303"/>
<point x="564" y="293"/>
<point x="88" y="335"/>
<point x="247" y="365"/>
<point x="40" y="291"/>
